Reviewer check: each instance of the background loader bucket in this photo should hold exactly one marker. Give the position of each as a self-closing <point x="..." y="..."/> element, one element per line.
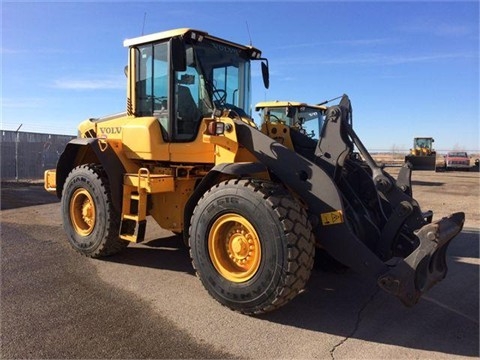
<point x="421" y="162"/>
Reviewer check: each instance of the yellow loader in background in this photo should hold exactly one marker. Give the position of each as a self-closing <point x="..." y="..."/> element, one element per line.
<point x="422" y="155"/>
<point x="252" y="204"/>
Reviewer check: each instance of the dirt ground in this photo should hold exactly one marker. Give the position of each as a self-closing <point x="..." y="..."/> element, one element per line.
<point x="399" y="158"/>
<point x="447" y="192"/>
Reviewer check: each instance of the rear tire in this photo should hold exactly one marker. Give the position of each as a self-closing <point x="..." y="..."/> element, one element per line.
<point x="251" y="245"/>
<point x="89" y="218"/>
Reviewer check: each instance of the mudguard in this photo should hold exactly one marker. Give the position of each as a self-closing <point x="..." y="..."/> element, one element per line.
<point x="86" y="150"/>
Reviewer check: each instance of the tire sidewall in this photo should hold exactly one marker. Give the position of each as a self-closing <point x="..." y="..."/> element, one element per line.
<point x="84" y="178"/>
<point x="263" y="285"/>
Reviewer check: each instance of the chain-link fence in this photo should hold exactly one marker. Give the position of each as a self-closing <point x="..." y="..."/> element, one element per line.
<point x="27" y="155"/>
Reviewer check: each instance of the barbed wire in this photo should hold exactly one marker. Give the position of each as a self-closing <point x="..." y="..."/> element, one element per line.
<point x="36" y="128"/>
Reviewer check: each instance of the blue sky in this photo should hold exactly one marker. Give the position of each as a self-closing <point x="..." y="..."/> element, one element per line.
<point x="410" y="68"/>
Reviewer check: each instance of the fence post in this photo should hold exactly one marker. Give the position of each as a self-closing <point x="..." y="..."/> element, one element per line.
<point x="16" y="152"/>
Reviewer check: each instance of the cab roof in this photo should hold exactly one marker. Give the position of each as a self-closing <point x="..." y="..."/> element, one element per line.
<point x="164" y="35"/>
<point x="280" y="104"/>
<point x="160" y="36"/>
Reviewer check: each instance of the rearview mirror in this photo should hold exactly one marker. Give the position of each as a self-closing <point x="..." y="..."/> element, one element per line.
<point x="265" y="74"/>
<point x="290" y="112"/>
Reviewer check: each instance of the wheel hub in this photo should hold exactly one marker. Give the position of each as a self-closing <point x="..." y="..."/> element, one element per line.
<point x="239" y="247"/>
<point x="234" y="248"/>
<point x="82" y="212"/>
<point x="87" y="212"/>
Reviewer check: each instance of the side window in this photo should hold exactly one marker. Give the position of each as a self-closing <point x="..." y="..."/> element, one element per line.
<point x="152" y="83"/>
<point x="311" y="121"/>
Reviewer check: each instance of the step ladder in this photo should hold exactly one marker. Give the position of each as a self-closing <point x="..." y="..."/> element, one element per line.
<point x="136" y="188"/>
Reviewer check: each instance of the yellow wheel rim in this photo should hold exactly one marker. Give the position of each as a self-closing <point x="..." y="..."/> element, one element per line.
<point x="234" y="248"/>
<point x="82" y="212"/>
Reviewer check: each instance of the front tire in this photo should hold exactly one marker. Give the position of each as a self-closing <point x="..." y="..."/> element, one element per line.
<point x="251" y="245"/>
<point x="91" y="222"/>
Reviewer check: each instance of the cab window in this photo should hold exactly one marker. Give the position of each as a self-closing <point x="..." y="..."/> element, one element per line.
<point x="152" y="83"/>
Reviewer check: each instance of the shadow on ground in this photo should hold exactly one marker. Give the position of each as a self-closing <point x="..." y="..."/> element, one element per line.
<point x="427" y="183"/>
<point x="346" y="305"/>
<point x="19" y="194"/>
<point x="351" y="306"/>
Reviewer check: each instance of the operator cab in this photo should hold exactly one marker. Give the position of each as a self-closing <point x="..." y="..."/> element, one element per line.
<point x="182" y="76"/>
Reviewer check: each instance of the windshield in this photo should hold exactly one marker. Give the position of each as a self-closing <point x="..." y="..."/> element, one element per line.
<point x="425" y="143"/>
<point x="458" y="154"/>
<point x="223" y="75"/>
<point x="312" y="121"/>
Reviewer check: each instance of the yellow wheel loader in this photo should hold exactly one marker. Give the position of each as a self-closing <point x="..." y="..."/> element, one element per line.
<point x="422" y="155"/>
<point x="252" y="207"/>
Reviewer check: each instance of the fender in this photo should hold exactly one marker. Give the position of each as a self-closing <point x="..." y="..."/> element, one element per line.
<point x="240" y="169"/>
<point x="89" y="150"/>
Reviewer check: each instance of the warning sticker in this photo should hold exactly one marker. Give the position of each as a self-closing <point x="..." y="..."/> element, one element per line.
<point x="331" y="218"/>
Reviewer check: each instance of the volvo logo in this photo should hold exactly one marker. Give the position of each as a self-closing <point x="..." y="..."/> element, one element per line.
<point x="111" y="130"/>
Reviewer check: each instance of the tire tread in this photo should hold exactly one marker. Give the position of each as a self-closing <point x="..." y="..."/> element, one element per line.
<point x="300" y="245"/>
<point x="111" y="243"/>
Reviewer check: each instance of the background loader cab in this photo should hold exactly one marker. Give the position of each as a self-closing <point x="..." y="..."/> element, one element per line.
<point x="306" y="119"/>
<point x="294" y="124"/>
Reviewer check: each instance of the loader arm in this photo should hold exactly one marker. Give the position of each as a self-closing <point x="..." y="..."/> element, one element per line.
<point x="426" y="265"/>
<point x="318" y="183"/>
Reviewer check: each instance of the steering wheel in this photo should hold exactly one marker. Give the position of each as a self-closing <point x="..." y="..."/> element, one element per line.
<point x="275" y="117"/>
<point x="219" y="95"/>
<point x="159" y="102"/>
